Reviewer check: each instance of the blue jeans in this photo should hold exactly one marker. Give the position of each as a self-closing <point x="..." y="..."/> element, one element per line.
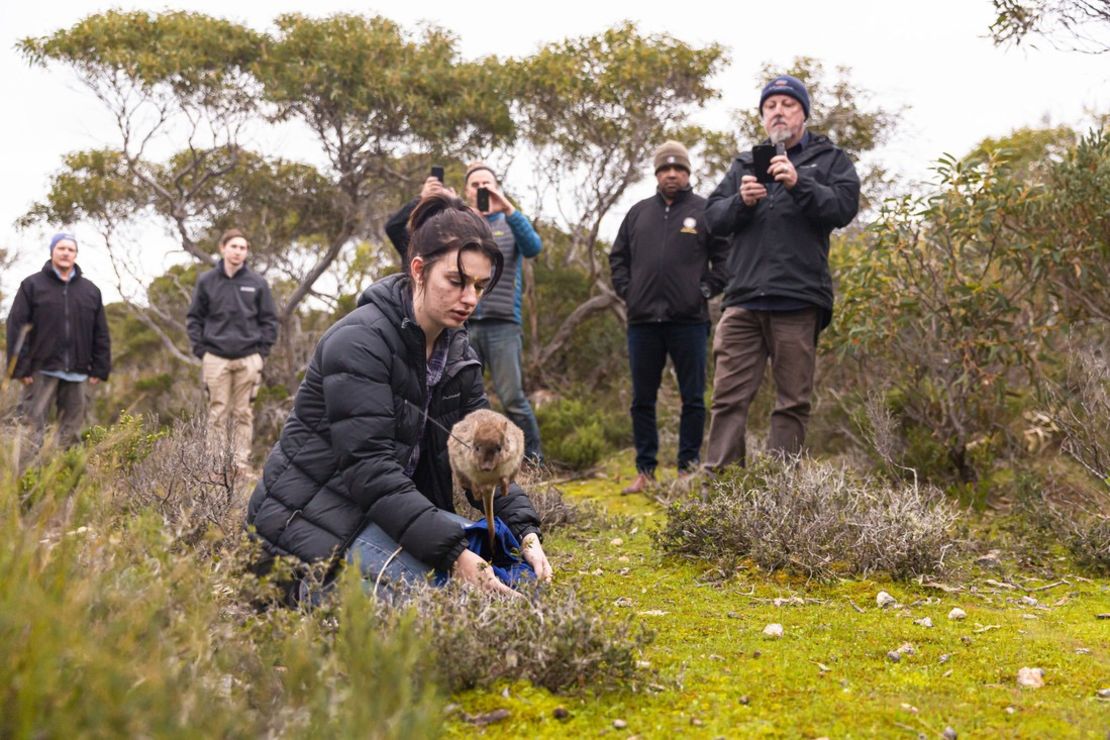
<point x="375" y="551"/>
<point x="499" y="345"/>
<point x="648" y="348"/>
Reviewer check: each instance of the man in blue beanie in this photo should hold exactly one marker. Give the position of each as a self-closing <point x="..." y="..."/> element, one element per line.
<point x="57" y="340"/>
<point x="779" y="296"/>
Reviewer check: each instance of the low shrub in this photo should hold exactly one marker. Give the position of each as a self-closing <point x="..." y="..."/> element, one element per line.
<point x="551" y="638"/>
<point x="812" y="518"/>
<point x="578" y="434"/>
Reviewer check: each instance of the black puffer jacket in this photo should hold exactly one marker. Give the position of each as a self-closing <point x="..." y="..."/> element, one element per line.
<point x="339" y="463"/>
<point x="69" y="330"/>
<point x="780" y="246"/>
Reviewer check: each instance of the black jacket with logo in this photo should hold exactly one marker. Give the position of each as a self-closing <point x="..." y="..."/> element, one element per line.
<point x="780" y="246"/>
<point x="340" y="461"/>
<point x="69" y="331"/>
<point x="664" y="262"/>
<point x="232" y="317"/>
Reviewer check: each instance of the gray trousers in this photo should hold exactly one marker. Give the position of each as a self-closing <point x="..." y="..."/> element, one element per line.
<point x="67" y="397"/>
<point x="744" y="341"/>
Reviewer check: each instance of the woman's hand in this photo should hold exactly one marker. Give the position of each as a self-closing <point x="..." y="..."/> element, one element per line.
<point x="478" y="573"/>
<point x="532" y="552"/>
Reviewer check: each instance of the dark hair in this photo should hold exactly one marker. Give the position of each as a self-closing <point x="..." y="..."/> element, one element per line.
<point x="441" y="223"/>
<point x="231" y="234"/>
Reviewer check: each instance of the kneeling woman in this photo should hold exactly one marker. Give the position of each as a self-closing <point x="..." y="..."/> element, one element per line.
<point x="361" y="466"/>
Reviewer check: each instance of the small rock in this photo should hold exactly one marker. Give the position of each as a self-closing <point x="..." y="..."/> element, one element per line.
<point x="945" y="658"/>
<point x="624" y="559"/>
<point x="1009" y="710"/>
<point x="957" y="613"/>
<point x="733" y="615"/>
<point x="643" y="664"/>
<point x="1029" y="601"/>
<point x="623" y="601"/>
<point x="744" y="700"/>
<point x="1103" y="616"/>
<point x="909" y="708"/>
<point x="756" y="653"/>
<point x="1082" y="651"/>
<point x="696" y="722"/>
<point x="885" y="600"/>
<point x="965" y="640"/>
<point x="561" y="714"/>
<point x="1030" y="678"/>
<point x="924" y="622"/>
<point x="505" y="692"/>
<point x="894" y="656"/>
<point x="907" y="649"/>
<point x="616" y="542"/>
<point x="619" y="724"/>
<point x="949" y="734"/>
<point x="990" y="560"/>
<point x="497" y="715"/>
<point x="1103" y="693"/>
<point x="773" y="631"/>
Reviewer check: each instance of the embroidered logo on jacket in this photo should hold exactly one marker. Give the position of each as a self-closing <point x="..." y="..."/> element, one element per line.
<point x="689" y="225"/>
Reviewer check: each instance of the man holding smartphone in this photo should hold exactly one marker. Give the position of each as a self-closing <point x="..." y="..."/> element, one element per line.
<point x="495" y="327"/>
<point x="779" y="296"/>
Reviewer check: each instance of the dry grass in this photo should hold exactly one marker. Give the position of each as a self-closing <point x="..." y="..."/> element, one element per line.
<point x="815" y="519"/>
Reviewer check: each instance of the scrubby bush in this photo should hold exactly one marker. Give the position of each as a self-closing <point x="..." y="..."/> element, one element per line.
<point x="812" y="518"/>
<point x="578" y="434"/>
<point x="551" y="638"/>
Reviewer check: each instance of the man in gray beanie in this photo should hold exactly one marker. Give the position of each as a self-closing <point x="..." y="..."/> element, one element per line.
<point x="58" y="340"/>
<point x="666" y="266"/>
<point x="779" y="296"/>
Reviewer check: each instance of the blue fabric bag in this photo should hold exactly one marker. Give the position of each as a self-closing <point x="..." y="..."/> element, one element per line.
<point x="507" y="564"/>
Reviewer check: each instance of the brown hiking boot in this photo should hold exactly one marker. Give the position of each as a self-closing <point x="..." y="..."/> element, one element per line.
<point x="639" y="483"/>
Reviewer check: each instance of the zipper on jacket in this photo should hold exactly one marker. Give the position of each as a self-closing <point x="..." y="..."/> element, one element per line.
<point x="663" y="251"/>
<point x="65" y="303"/>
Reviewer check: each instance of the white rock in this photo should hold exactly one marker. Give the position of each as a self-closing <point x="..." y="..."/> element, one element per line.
<point x="885" y="600"/>
<point x="773" y="630"/>
<point x="1028" y="601"/>
<point x="907" y="649"/>
<point x="619" y="724"/>
<point x="616" y="542"/>
<point x="1103" y="693"/>
<point x="924" y="622"/>
<point x="957" y="613"/>
<point x="1030" y="678"/>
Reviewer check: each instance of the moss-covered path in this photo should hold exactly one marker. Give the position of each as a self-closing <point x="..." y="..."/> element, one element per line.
<point x="714" y="674"/>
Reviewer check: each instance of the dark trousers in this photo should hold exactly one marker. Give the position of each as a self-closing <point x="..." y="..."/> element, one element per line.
<point x="45" y="392"/>
<point x="649" y="345"/>
<point x="741" y="347"/>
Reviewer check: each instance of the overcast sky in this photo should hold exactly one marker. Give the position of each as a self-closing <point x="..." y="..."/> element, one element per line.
<point x="933" y="57"/>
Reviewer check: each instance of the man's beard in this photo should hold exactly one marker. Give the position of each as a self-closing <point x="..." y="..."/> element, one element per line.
<point x="780" y="135"/>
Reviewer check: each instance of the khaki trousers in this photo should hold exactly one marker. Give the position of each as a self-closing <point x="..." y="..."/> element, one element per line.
<point x="232" y="386"/>
<point x="744" y="341"/>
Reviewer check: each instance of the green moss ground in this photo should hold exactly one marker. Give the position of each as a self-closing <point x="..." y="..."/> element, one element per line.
<point x="829" y="675"/>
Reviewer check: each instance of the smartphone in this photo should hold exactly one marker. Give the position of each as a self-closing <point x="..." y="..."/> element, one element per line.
<point x="483" y="200"/>
<point x="761" y="162"/>
<point x="437" y="172"/>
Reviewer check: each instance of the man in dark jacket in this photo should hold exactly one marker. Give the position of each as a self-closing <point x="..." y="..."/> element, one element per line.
<point x="666" y="266"/>
<point x="779" y="295"/>
<point x="341" y="459"/>
<point x="58" y="328"/>
<point x="232" y="325"/>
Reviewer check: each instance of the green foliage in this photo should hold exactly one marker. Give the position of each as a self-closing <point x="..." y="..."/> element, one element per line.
<point x="578" y="434"/>
<point x="107" y="627"/>
<point x="1079" y="25"/>
<point x="942" y="302"/>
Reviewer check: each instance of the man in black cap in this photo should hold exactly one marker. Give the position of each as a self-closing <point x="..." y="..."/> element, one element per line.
<point x="666" y="266"/>
<point x="58" y="340"/>
<point x="779" y="296"/>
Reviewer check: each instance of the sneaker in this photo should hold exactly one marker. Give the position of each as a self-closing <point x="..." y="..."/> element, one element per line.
<point x="639" y="483"/>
